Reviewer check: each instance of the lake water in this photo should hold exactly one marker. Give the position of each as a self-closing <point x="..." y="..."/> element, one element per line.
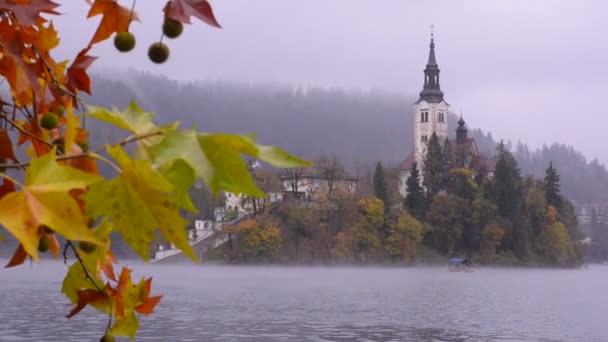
<point x="212" y="303"/>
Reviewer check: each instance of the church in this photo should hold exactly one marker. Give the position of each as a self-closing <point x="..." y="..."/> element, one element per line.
<point x="431" y="116"/>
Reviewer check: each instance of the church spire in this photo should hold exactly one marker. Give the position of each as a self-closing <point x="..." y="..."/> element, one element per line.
<point x="431" y="92"/>
<point x="432" y="60"/>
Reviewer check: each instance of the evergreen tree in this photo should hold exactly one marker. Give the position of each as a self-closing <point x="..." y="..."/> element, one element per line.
<point x="380" y="189"/>
<point x="551" y="187"/>
<point x="506" y="189"/>
<point x="447" y="155"/>
<point x="435" y="168"/>
<point x="415" y="201"/>
<point x="506" y="192"/>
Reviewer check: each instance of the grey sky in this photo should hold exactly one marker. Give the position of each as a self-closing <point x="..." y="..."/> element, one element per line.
<point x="529" y="70"/>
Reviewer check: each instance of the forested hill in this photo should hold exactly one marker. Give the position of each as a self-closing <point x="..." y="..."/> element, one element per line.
<point x="358" y="126"/>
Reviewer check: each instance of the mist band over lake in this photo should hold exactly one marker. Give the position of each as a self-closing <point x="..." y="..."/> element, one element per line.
<point x="218" y="303"/>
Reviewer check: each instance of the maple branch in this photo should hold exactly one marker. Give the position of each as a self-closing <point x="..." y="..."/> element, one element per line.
<point x="94" y="154"/>
<point x="131" y="139"/>
<point x="5" y="176"/>
<point x="24" y="132"/>
<point x="92" y="280"/>
<point x="106" y="160"/>
<point x="49" y="69"/>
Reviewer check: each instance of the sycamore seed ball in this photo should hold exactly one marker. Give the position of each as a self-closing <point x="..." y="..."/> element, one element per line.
<point x="49" y="121"/>
<point x="60" y="110"/>
<point x="124" y="41"/>
<point x="86" y="247"/>
<point x="172" y="28"/>
<point x="107" y="338"/>
<point x="158" y="53"/>
<point x="43" y="244"/>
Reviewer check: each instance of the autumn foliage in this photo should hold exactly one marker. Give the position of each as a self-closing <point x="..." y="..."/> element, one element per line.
<point x="49" y="180"/>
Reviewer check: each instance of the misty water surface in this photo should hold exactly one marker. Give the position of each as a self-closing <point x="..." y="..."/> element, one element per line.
<point x="205" y="303"/>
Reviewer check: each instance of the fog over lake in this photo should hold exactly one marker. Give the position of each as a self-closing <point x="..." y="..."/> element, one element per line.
<point x="220" y="303"/>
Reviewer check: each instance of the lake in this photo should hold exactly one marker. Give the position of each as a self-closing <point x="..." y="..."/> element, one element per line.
<point x="214" y="303"/>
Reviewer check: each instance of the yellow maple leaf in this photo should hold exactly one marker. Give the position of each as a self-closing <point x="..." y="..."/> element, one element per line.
<point x="45" y="200"/>
<point x="139" y="201"/>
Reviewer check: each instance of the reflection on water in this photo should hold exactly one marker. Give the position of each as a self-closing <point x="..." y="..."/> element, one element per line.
<point x="326" y="304"/>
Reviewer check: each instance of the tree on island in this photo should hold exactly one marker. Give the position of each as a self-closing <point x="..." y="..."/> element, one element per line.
<point x="380" y="189"/>
<point x="551" y="187"/>
<point x="54" y="188"/>
<point x="415" y="200"/>
<point x="435" y="168"/>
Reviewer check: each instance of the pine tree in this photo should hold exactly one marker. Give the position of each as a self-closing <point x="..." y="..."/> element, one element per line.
<point x="507" y="184"/>
<point x="506" y="192"/>
<point x="380" y="189"/>
<point x="415" y="201"/>
<point x="435" y="168"/>
<point x="551" y="187"/>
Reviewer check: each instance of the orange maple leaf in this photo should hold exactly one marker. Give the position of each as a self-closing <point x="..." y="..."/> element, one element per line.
<point x="6" y="146"/>
<point x="6" y="188"/>
<point x="21" y="73"/>
<point x="85" y="297"/>
<point x="77" y="77"/>
<point x="182" y="10"/>
<point x="18" y="257"/>
<point x="115" y="18"/>
<point x="33" y="129"/>
<point x="28" y="12"/>
<point x="147" y="307"/>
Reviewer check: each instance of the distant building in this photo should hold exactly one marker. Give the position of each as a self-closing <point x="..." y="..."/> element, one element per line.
<point x="587" y="213"/>
<point x="305" y="184"/>
<point x="431" y="116"/>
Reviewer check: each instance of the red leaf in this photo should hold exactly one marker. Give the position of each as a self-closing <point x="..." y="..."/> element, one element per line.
<point x="182" y="10"/>
<point x="6" y="188"/>
<point x="54" y="245"/>
<point x="6" y="147"/>
<point x="124" y="281"/>
<point x="18" y="257"/>
<point x="147" y="307"/>
<point x="115" y="18"/>
<point x="85" y="297"/>
<point x="27" y="13"/>
<point x="107" y="268"/>
<point x="77" y="78"/>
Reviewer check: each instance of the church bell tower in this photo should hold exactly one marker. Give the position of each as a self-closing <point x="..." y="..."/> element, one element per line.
<point x="431" y="110"/>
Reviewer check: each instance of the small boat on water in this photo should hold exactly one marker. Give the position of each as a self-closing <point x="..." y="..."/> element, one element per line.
<point x="459" y="265"/>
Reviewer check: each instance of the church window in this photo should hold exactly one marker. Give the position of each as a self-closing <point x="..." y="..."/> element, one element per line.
<point x="424" y="138"/>
<point x="424" y="116"/>
<point x="441" y="117"/>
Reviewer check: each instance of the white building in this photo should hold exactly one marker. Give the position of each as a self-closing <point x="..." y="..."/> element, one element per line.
<point x="430" y="115"/>
<point x="243" y="204"/>
<point x="307" y="184"/>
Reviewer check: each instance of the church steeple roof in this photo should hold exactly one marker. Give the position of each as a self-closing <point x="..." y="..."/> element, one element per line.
<point x="461" y="132"/>
<point x="431" y="92"/>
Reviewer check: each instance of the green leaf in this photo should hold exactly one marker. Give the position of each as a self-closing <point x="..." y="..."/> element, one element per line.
<point x="136" y="121"/>
<point x="217" y="159"/>
<point x="132" y="119"/>
<point x="182" y="176"/>
<point x="139" y="201"/>
<point x="246" y="144"/>
<point x="126" y="326"/>
<point x="76" y="278"/>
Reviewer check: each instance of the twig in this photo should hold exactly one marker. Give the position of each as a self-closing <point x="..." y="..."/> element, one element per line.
<point x="4" y="175"/>
<point x="92" y="280"/>
<point x="65" y="253"/>
<point x="24" y="132"/>
<point x="90" y="154"/>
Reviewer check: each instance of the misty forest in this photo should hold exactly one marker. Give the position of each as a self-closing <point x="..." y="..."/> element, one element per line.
<point x="360" y="129"/>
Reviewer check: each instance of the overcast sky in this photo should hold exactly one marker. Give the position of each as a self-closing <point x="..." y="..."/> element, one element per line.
<point x="529" y="70"/>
